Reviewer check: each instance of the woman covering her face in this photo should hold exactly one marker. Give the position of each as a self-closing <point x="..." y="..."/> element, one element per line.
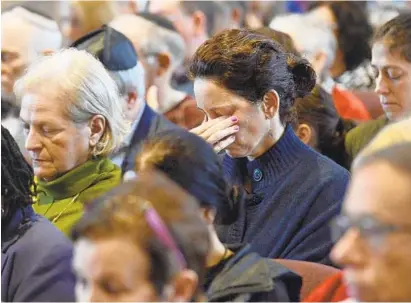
<point x="142" y="242"/>
<point x="247" y="84"/>
<point x="73" y="120"/>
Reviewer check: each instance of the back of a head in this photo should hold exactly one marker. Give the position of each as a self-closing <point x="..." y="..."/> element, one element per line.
<point x="80" y="81"/>
<point x="116" y="52"/>
<point x="96" y="13"/>
<point x="318" y="111"/>
<point x="302" y="29"/>
<point x="249" y="65"/>
<point x="192" y="163"/>
<point x="130" y="211"/>
<point x="29" y="32"/>
<point x="17" y="185"/>
<point x="282" y="38"/>
<point x="396" y="35"/>
<point x="150" y="38"/>
<point x="354" y="31"/>
<point x="217" y="13"/>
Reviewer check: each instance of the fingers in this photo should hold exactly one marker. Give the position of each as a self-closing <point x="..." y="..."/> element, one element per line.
<point x="220" y="135"/>
<point x="223" y="144"/>
<point x="219" y="126"/>
<point x="199" y="130"/>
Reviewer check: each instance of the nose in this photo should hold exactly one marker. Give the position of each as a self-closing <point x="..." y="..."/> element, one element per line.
<point x="33" y="141"/>
<point x="381" y="87"/>
<point x="348" y="250"/>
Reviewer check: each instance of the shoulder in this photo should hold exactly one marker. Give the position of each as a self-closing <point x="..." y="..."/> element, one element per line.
<point x="357" y="138"/>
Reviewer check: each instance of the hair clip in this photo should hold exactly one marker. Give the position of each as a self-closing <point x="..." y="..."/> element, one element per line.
<point x="161" y="231"/>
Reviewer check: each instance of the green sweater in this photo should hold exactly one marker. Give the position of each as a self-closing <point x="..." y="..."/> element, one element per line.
<point x="62" y="200"/>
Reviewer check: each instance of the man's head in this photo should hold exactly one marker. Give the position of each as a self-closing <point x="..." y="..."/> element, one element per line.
<point x="319" y="51"/>
<point x="118" y="56"/>
<point x="24" y="36"/>
<point x="374" y="231"/>
<point x="160" y="49"/>
<point x="194" y="20"/>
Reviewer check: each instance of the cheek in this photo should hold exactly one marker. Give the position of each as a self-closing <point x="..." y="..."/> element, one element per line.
<point x="252" y="127"/>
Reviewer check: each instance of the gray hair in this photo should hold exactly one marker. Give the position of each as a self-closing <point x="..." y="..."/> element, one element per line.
<point x="81" y="81"/>
<point x="129" y="81"/>
<point x="308" y="34"/>
<point x="150" y="38"/>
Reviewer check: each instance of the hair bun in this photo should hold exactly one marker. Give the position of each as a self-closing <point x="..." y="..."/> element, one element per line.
<point x="304" y="76"/>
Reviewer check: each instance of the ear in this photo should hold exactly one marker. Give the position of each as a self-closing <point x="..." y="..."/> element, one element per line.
<point x="131" y="100"/>
<point x="199" y="22"/>
<point x="97" y="126"/>
<point x="163" y="63"/>
<point x="271" y="104"/>
<point x="305" y="133"/>
<point x="208" y="215"/>
<point x="184" y="285"/>
<point x="319" y="63"/>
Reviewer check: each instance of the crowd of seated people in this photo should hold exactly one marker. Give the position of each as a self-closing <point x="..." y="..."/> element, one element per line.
<point x="205" y="151"/>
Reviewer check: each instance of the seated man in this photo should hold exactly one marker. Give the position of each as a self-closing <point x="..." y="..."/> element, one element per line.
<point x="374" y="236"/>
<point x="161" y="50"/>
<point x="118" y="56"/>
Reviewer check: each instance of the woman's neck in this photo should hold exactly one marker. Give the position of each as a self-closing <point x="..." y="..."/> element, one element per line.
<point x="277" y="130"/>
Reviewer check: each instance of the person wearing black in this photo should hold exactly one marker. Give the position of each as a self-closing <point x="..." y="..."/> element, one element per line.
<point x="116" y="52"/>
<point x="235" y="273"/>
<point x="35" y="256"/>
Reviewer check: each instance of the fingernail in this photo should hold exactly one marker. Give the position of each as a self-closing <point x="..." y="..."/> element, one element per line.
<point x="234" y="119"/>
<point x="232" y="138"/>
<point x="236" y="127"/>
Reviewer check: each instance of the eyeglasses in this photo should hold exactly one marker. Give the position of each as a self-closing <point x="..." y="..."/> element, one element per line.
<point x="370" y="229"/>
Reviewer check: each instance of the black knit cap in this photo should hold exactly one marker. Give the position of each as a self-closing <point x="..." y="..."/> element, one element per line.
<point x="114" y="50"/>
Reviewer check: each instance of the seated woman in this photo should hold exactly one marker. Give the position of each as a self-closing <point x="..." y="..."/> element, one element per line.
<point x="246" y="84"/>
<point x="73" y="120"/>
<point x="320" y="126"/>
<point x="35" y="256"/>
<point x="143" y="242"/>
<point x="192" y="163"/>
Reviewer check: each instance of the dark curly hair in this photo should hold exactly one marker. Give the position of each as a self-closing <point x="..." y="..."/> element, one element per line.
<point x="396" y="35"/>
<point x="354" y="30"/>
<point x="250" y="64"/>
<point x="17" y="185"/>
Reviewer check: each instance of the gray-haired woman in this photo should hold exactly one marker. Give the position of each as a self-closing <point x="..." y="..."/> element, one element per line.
<point x="73" y="121"/>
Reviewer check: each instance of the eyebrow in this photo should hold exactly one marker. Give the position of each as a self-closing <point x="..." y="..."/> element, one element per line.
<point x="386" y="66"/>
<point x="214" y="108"/>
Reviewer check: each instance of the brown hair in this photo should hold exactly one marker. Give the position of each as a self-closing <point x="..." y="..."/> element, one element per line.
<point x="396" y="35"/>
<point x="250" y="64"/>
<point x="95" y="14"/>
<point x="282" y="38"/>
<point x="121" y="213"/>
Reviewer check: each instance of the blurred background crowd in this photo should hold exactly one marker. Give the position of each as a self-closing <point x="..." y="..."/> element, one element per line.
<point x="164" y="150"/>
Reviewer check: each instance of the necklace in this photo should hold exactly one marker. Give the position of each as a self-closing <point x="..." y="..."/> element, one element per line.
<point x="65" y="208"/>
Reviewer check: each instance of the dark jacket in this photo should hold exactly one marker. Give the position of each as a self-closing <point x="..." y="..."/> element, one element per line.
<point x="247" y="277"/>
<point x="295" y="192"/>
<point x="35" y="261"/>
<point x="359" y="137"/>
<point x="150" y="124"/>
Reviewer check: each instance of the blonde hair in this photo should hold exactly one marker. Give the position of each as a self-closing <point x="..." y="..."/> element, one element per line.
<point x="81" y="81"/>
<point x="95" y="14"/>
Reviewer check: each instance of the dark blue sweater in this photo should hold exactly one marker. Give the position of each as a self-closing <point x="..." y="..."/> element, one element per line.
<point x="295" y="193"/>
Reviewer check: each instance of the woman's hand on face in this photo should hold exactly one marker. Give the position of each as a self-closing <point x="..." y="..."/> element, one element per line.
<point x="219" y="132"/>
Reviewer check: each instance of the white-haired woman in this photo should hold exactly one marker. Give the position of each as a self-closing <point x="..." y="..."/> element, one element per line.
<point x="73" y="121"/>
